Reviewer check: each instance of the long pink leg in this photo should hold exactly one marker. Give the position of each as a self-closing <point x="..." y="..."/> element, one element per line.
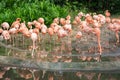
<point x="99" y="45"/>
<point x="117" y="37"/>
<point x="33" y="49"/>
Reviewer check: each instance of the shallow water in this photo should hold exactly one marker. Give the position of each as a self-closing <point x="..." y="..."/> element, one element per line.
<point x="67" y="59"/>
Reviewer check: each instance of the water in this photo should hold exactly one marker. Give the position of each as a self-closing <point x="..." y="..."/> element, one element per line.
<point x="67" y="59"/>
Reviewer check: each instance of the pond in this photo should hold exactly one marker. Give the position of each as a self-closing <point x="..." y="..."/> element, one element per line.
<point x="87" y="52"/>
<point x="59" y="60"/>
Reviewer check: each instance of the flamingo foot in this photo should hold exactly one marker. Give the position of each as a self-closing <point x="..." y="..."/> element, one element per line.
<point x="117" y="42"/>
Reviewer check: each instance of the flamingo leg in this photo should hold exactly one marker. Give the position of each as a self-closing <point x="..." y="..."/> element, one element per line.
<point x="117" y="37"/>
<point x="99" y="76"/>
<point x="99" y="45"/>
<point x="44" y="71"/>
<point x="33" y="49"/>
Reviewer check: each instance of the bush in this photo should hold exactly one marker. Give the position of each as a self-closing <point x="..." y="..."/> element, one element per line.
<point x="31" y="10"/>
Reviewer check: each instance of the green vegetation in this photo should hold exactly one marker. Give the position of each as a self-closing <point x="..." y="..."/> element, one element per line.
<point x="29" y="10"/>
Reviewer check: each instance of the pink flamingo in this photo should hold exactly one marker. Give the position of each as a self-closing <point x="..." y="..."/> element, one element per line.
<point x="37" y="28"/>
<point x="5" y="25"/>
<point x="6" y="34"/>
<point x="50" y="31"/>
<point x="37" y="24"/>
<point x="78" y="35"/>
<point x="1" y="37"/>
<point x="56" y="20"/>
<point x="34" y="38"/>
<point x="107" y="13"/>
<point x="116" y="28"/>
<point x="62" y="21"/>
<point x="16" y="23"/>
<point x="29" y="24"/>
<point x="13" y="31"/>
<point x="41" y="20"/>
<point x="97" y="32"/>
<point x="61" y="33"/>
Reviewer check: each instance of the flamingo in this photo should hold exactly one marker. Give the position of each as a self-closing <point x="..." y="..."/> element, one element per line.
<point x="37" y="24"/>
<point x="97" y="33"/>
<point x="113" y="24"/>
<point x="29" y="24"/>
<point x="1" y="37"/>
<point x="107" y="13"/>
<point x="88" y="19"/>
<point x="5" y="25"/>
<point x="56" y="20"/>
<point x="80" y="14"/>
<point x="41" y="20"/>
<point x="115" y="27"/>
<point x="108" y="20"/>
<point x="37" y="28"/>
<point x="16" y="23"/>
<point x="115" y="20"/>
<point x="68" y="19"/>
<point x="6" y="34"/>
<point x="76" y="22"/>
<point x="85" y="27"/>
<point x="34" y="38"/>
<point x="62" y="21"/>
<point x="61" y="33"/>
<point x="33" y="34"/>
<point x="78" y="35"/>
<point x="43" y="26"/>
<point x="95" y="30"/>
<point x="43" y="29"/>
<point x="68" y="26"/>
<point x="102" y="19"/>
<point x="24" y="30"/>
<point x="13" y="31"/>
<point x="50" y="31"/>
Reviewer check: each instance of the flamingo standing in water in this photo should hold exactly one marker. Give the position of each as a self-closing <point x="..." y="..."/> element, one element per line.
<point x="6" y="36"/>
<point x="37" y="28"/>
<point x="5" y="33"/>
<point x="34" y="38"/>
<point x="43" y="31"/>
<point x="113" y="24"/>
<point x="96" y="30"/>
<point x="33" y="34"/>
<point x="68" y="26"/>
<point x="43" y="26"/>
<point x="115" y="27"/>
